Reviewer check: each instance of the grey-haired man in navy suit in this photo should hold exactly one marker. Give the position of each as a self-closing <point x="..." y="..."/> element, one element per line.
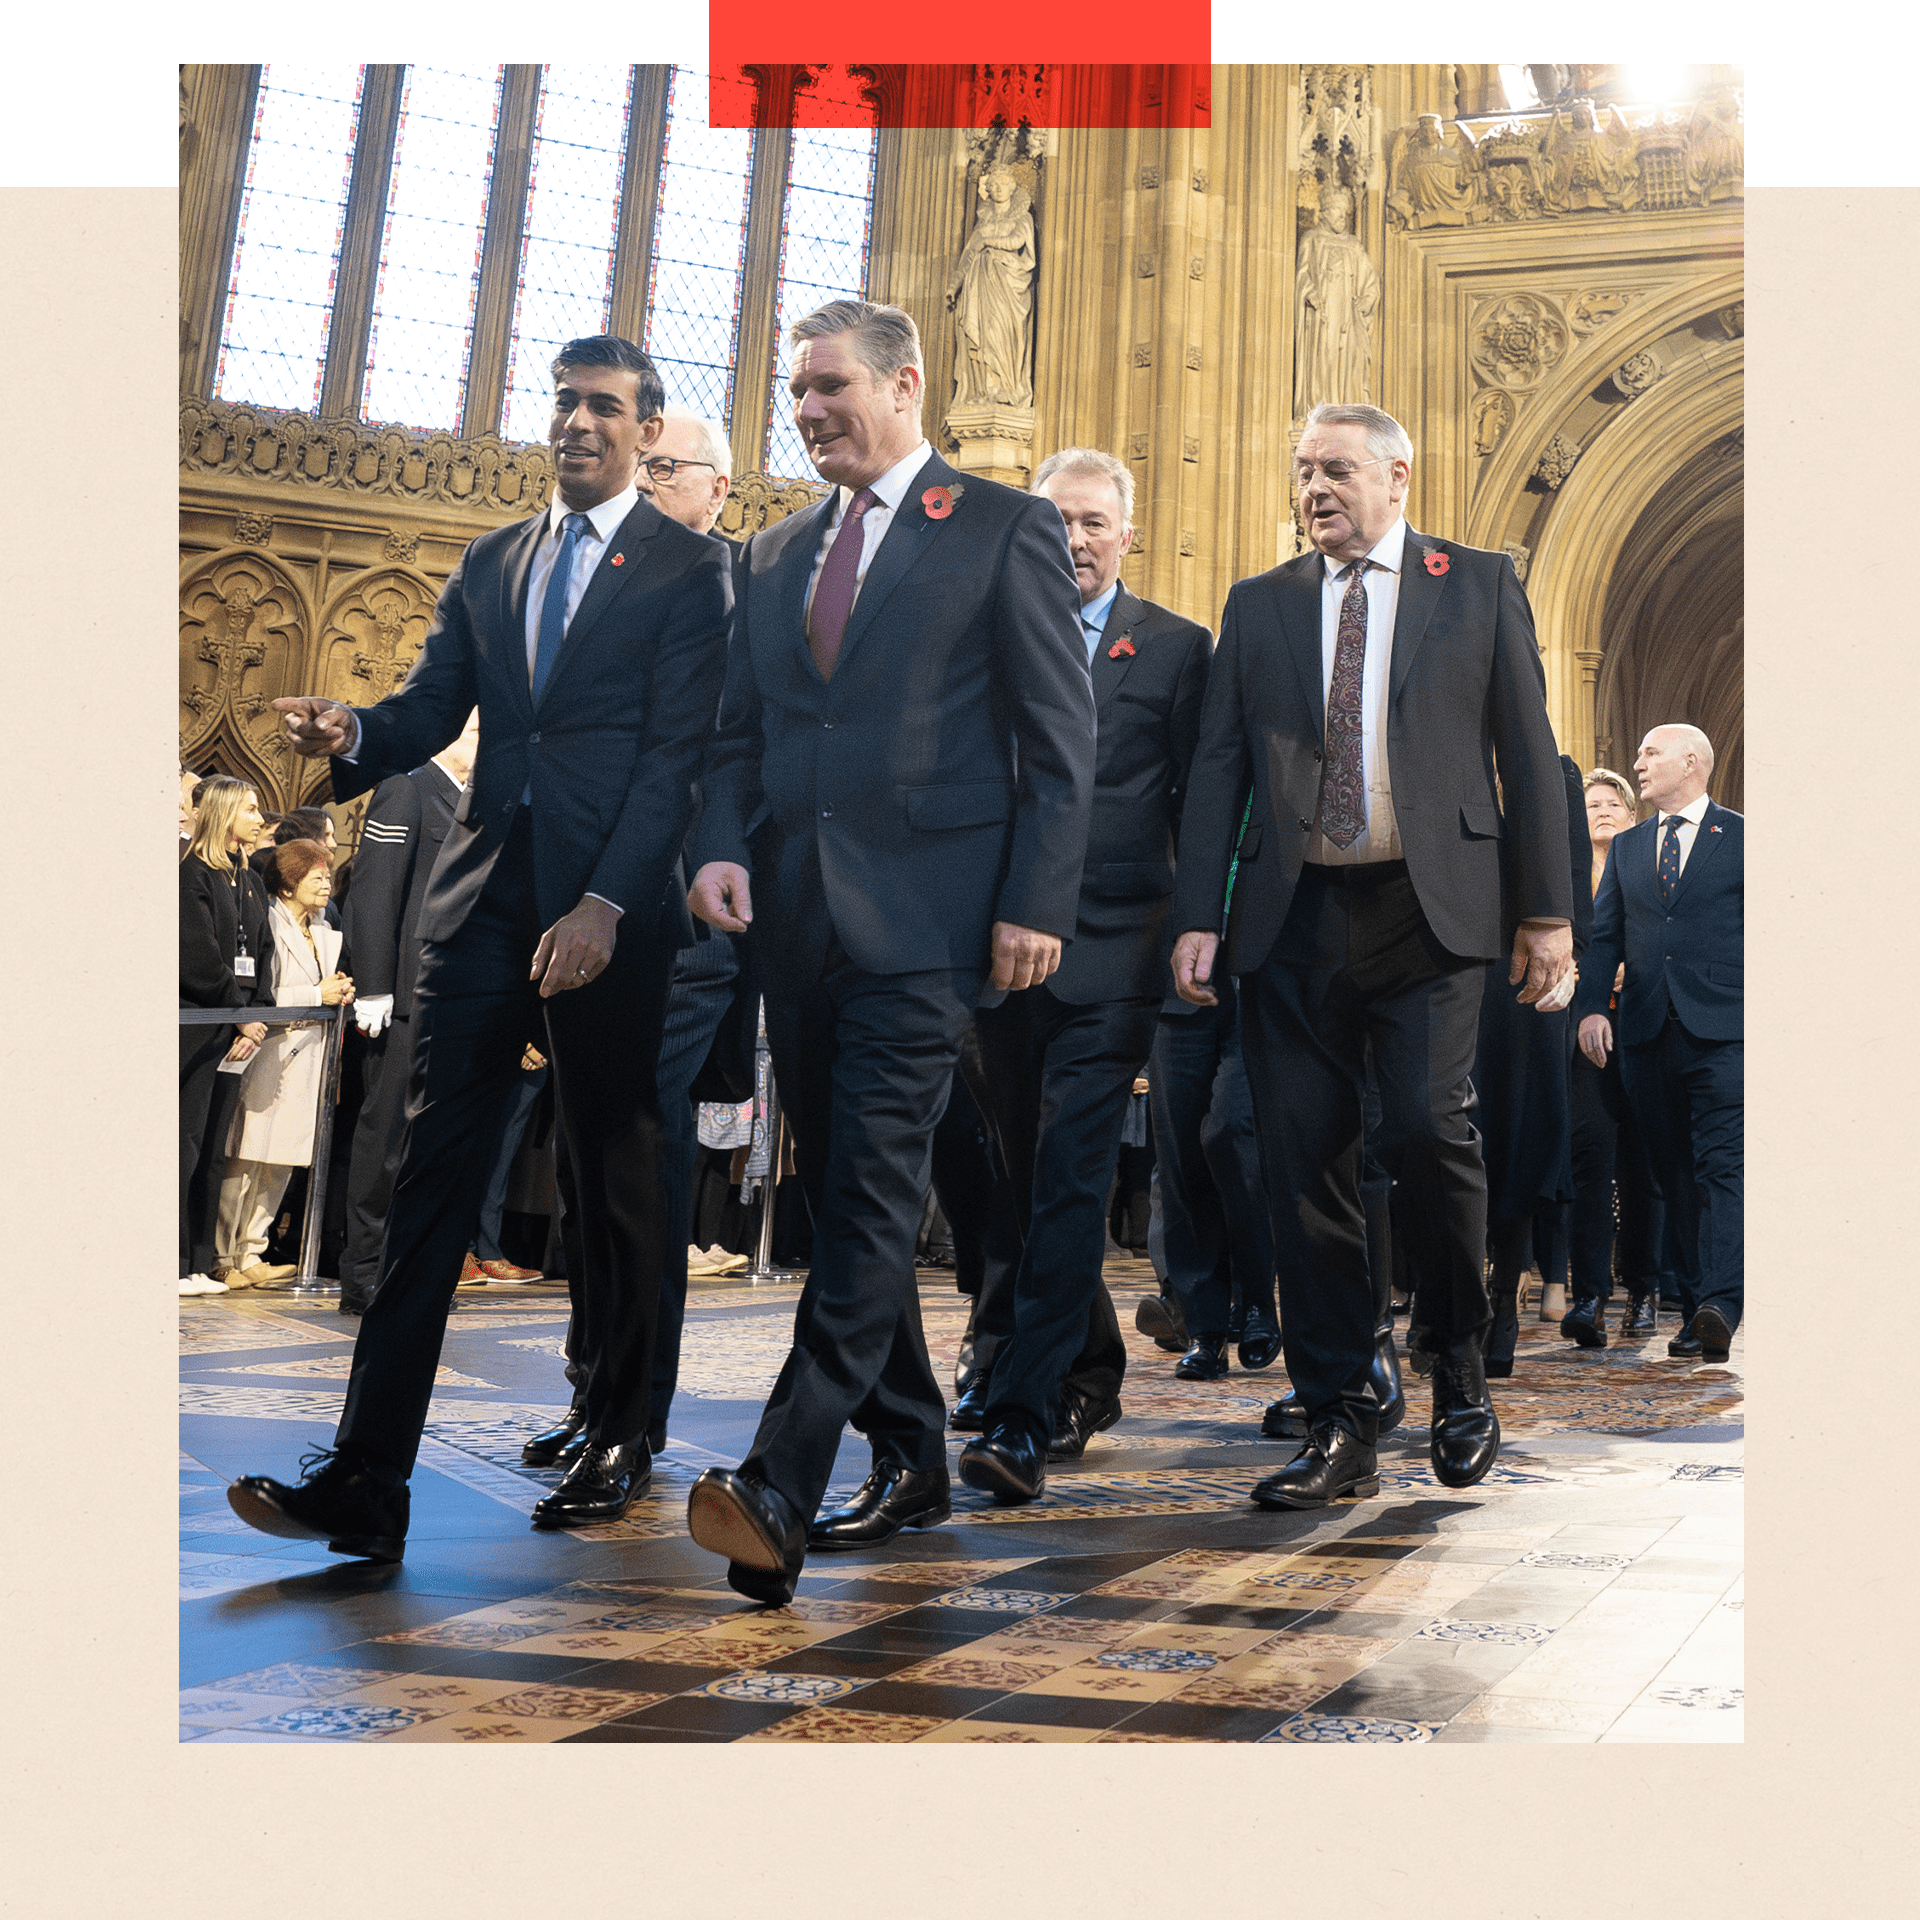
<point x="1672" y="905"/>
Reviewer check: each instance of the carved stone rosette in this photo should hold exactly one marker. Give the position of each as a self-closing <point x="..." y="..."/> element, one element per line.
<point x="1637" y="375"/>
<point x="1556" y="462"/>
<point x="1517" y="340"/>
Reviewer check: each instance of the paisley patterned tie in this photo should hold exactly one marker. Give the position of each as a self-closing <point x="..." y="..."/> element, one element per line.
<point x="1343" y="792"/>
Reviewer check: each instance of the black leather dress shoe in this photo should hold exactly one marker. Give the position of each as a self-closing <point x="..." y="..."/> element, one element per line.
<point x="891" y="1497"/>
<point x="1384" y="1378"/>
<point x="599" y="1488"/>
<point x="969" y="1413"/>
<point x="1465" y="1435"/>
<point x="337" y="1500"/>
<point x="1259" y="1348"/>
<point x="1007" y="1462"/>
<point x="1162" y="1319"/>
<point x="1715" y="1336"/>
<point x="1685" y="1345"/>
<point x="1078" y="1418"/>
<point x="1205" y="1359"/>
<point x="763" y="1540"/>
<point x="1640" y="1323"/>
<point x="546" y="1449"/>
<point x="1331" y="1464"/>
<point x="1585" y="1322"/>
<point x="1285" y="1419"/>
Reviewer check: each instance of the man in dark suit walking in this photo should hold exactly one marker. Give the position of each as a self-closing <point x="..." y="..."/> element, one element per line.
<point x="1672" y="905"/>
<point x="904" y="768"/>
<point x="1367" y="694"/>
<point x="590" y="638"/>
<point x="406" y="825"/>
<point x="1060" y="1059"/>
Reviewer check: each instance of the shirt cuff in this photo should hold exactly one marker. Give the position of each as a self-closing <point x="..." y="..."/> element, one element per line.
<point x="352" y="748"/>
<point x="604" y="901"/>
<point x="1541" y="920"/>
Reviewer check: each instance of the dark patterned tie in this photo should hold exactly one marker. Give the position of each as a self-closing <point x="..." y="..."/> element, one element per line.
<point x="1343" y="790"/>
<point x="1669" y="858"/>
<point x="839" y="581"/>
<point x="553" y="609"/>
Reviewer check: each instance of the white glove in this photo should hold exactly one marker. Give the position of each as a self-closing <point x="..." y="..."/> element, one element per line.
<point x="1560" y="996"/>
<point x="371" y="1014"/>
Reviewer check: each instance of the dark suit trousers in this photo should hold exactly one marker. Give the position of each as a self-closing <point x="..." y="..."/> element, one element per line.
<point x="864" y="1062"/>
<point x="1689" y="1096"/>
<point x="1059" y="1078"/>
<point x="474" y="1012"/>
<point x="1214" y="1231"/>
<point x="374" y="1165"/>
<point x="207" y="1099"/>
<point x="1356" y="961"/>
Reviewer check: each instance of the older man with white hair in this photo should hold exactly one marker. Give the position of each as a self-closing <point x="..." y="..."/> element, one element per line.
<point x="689" y="470"/>
<point x="1672" y="906"/>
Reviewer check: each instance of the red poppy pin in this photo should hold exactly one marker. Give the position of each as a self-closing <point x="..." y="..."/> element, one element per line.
<point x="619" y="559"/>
<point x="1120" y="646"/>
<point x="1437" y="564"/>
<point x="938" y="501"/>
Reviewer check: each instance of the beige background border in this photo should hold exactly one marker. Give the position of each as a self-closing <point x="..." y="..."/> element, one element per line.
<point x="117" y="1819"/>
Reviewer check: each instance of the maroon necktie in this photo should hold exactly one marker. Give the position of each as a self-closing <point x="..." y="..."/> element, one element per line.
<point x="839" y="581"/>
<point x="1343" y="792"/>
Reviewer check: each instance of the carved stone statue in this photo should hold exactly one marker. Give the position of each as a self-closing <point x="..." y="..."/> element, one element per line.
<point x="991" y="296"/>
<point x="1435" y="177"/>
<point x="1336" y="293"/>
<point x="1590" y="165"/>
<point x="1717" y="150"/>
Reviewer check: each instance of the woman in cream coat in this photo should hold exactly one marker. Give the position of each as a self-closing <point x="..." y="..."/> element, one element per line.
<point x="273" y="1129"/>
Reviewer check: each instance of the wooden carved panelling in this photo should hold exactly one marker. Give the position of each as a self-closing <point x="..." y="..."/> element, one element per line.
<point x="243" y="625"/>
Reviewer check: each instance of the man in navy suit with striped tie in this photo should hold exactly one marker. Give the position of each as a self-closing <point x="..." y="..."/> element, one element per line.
<point x="1672" y="906"/>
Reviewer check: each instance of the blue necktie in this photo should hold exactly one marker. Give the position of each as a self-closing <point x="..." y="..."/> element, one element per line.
<point x="1670" y="859"/>
<point x="553" y="609"/>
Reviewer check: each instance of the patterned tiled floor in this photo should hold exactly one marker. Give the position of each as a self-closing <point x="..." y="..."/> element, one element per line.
<point x="1588" y="1590"/>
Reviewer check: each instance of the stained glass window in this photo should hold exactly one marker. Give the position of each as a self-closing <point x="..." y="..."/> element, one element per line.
<point x="699" y="248"/>
<point x="430" y="248"/>
<point x="573" y="212"/>
<point x="826" y="228"/>
<point x="273" y="341"/>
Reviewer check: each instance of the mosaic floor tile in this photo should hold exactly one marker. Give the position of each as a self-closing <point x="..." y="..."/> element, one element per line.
<point x="987" y="1733"/>
<point x="843" y="1724"/>
<point x="1342" y="1729"/>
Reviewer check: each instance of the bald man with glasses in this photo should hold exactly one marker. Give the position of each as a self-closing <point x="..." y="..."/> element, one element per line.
<point x="1382" y="701"/>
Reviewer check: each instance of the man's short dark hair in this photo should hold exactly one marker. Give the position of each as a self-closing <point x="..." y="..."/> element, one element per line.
<point x="303" y="823"/>
<point x="609" y="350"/>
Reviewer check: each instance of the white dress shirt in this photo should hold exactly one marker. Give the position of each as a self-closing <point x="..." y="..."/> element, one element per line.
<point x="1380" y="840"/>
<point x="891" y="489"/>
<point x="1689" y="817"/>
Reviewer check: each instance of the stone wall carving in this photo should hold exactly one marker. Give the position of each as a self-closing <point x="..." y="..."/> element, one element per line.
<point x="1492" y="416"/>
<point x="756" y="502"/>
<point x="1589" y="312"/>
<point x="485" y="475"/>
<point x="371" y="634"/>
<point x="244" y="624"/>
<point x="1516" y="340"/>
<point x="1339" y="131"/>
<point x="1636" y="375"/>
<point x="1556" y="462"/>
<point x="1336" y="296"/>
<point x="1577" y="159"/>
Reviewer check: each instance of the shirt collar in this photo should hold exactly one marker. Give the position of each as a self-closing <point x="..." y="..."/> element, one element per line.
<point x="446" y="773"/>
<point x="603" y="518"/>
<point x="891" y="488"/>
<point x="1694" y="811"/>
<point x="1095" y="615"/>
<point x="1386" y="555"/>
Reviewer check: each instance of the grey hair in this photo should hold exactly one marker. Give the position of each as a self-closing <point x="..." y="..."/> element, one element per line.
<point x="1386" y="437"/>
<point x="709" y="436"/>
<point x="1091" y="460"/>
<point x="884" y="338"/>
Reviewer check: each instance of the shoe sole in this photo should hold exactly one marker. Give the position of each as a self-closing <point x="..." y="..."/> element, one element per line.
<point x="986" y="1475"/>
<point x="827" y="1543"/>
<point x="722" y="1525"/>
<point x="262" y="1514"/>
<point x="1363" y="1489"/>
<point x="1582" y="1339"/>
<point x="1218" y="1374"/>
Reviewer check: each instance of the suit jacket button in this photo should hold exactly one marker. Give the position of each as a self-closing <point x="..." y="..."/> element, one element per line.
<point x="1306" y="826"/>
<point x="826" y="723"/>
<point x="533" y="739"/>
<point x="1316" y="753"/>
<point x="826" y="813"/>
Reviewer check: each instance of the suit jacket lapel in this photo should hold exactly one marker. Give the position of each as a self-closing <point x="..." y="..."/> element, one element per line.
<point x="1420" y="593"/>
<point x="1299" y="590"/>
<point x="793" y="544"/>
<point x="516" y="563"/>
<point x="909" y="537"/>
<point x="1109" y="670"/>
<point x="1707" y="837"/>
<point x="620" y="563"/>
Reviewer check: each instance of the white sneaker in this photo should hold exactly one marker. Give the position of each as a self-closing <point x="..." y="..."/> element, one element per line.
<point x="199" y="1283"/>
<point x="719" y="1260"/>
<point x="699" y="1260"/>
